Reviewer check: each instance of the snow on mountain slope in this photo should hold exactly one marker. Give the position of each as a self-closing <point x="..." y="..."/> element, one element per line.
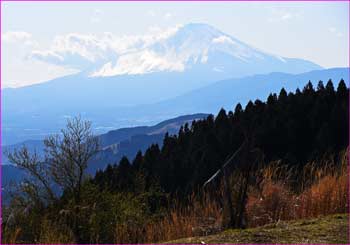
<point x="182" y="48"/>
<point x="191" y="45"/>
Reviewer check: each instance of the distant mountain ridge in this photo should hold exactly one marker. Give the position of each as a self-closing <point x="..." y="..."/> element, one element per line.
<point x="114" y="145"/>
<point x="20" y="124"/>
<point x="227" y="93"/>
<point x="190" y="58"/>
<point x="128" y="141"/>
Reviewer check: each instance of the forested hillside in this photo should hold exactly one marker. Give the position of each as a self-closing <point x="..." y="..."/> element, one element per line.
<point x="295" y="128"/>
<point x="300" y="140"/>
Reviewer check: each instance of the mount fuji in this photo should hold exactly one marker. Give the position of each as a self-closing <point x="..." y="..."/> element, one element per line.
<point x="201" y="48"/>
<point x="146" y="71"/>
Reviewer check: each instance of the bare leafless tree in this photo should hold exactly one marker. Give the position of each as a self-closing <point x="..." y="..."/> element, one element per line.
<point x="68" y="155"/>
<point x="66" y="160"/>
<point x="65" y="163"/>
<point x="37" y="186"/>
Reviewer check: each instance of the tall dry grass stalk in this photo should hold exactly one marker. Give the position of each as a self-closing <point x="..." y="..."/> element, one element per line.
<point x="324" y="190"/>
<point x="50" y="233"/>
<point x="12" y="236"/>
<point x="328" y="194"/>
<point x="201" y="217"/>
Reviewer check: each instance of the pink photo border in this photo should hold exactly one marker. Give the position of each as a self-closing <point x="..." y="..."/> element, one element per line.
<point x="1" y="1"/>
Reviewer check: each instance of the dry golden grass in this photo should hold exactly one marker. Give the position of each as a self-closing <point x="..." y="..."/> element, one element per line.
<point x="49" y="233"/>
<point x="269" y="205"/>
<point x="329" y="195"/>
<point x="201" y="217"/>
<point x="324" y="191"/>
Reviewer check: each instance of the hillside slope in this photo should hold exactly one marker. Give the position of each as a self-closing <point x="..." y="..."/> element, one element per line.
<point x="114" y="145"/>
<point x="327" y="230"/>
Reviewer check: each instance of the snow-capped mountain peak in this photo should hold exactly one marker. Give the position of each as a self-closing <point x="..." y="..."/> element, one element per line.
<point x="190" y="45"/>
<point x="193" y="46"/>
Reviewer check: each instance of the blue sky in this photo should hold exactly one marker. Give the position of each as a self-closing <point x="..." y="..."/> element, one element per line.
<point x="314" y="31"/>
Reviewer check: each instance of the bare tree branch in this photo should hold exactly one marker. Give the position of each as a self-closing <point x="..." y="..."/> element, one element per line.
<point x="69" y="154"/>
<point x="37" y="169"/>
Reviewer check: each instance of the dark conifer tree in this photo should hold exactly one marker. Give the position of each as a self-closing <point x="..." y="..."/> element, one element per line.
<point x="283" y="95"/>
<point x="320" y="86"/>
<point x="329" y="86"/>
<point x="342" y="90"/>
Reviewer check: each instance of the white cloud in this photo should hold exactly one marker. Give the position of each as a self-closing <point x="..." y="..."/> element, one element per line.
<point x="15" y="36"/>
<point x="18" y="37"/>
<point x="286" y="16"/>
<point x="47" y="55"/>
<point x="93" y="52"/>
<point x="282" y="14"/>
<point x="154" y="29"/>
<point x="74" y="50"/>
<point x="152" y="13"/>
<point x="332" y="29"/>
<point x="96" y="16"/>
<point x="168" y="16"/>
<point x="335" y="32"/>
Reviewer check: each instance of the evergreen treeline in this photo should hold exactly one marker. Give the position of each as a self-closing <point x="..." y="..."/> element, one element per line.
<point x="121" y="203"/>
<point x="296" y="128"/>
